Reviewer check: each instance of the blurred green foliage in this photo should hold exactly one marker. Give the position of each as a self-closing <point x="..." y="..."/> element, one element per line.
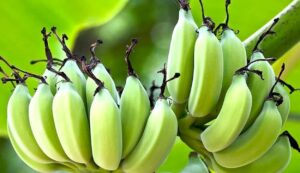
<point x="151" y="22"/>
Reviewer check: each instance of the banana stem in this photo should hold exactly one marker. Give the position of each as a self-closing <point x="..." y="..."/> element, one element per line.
<point x="179" y="109"/>
<point x="287" y="33"/>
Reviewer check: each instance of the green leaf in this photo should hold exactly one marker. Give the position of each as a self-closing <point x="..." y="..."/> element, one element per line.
<point x="22" y="21"/>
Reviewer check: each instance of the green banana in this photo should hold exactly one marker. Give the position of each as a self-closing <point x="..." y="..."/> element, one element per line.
<point x="157" y="140"/>
<point x="284" y="107"/>
<point x="234" y="57"/>
<point x="19" y="127"/>
<point x="254" y="142"/>
<point x="232" y="117"/>
<point x="106" y="131"/>
<point x="134" y="107"/>
<point x="101" y="73"/>
<point x="180" y="58"/>
<point x="78" y="79"/>
<point x="69" y="67"/>
<point x="71" y="123"/>
<point x="42" y="123"/>
<point x="207" y="75"/>
<point x="51" y="79"/>
<point x="37" y="166"/>
<point x="276" y="159"/>
<point x="260" y="88"/>
<point x="195" y="165"/>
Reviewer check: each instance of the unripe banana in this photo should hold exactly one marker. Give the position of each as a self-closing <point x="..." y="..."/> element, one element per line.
<point x="259" y="88"/>
<point x="37" y="166"/>
<point x="76" y="76"/>
<point x="207" y="75"/>
<point x="71" y="123"/>
<point x="19" y="127"/>
<point x="106" y="131"/>
<point x="135" y="110"/>
<point x="195" y="165"/>
<point x="284" y="107"/>
<point x="70" y="67"/>
<point x="134" y="107"/>
<point x="232" y="117"/>
<point x="101" y="73"/>
<point x="234" y="57"/>
<point x="276" y="159"/>
<point x="51" y="79"/>
<point x="180" y="58"/>
<point x="157" y="140"/>
<point x="42" y="123"/>
<point x="254" y="142"/>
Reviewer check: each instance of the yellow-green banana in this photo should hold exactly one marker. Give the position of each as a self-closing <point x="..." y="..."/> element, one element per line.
<point x="71" y="123"/>
<point x="19" y="127"/>
<point x="276" y="159"/>
<point x="76" y="76"/>
<point x="106" y="130"/>
<point x="180" y="58"/>
<point x="207" y="75"/>
<point x="42" y="123"/>
<point x="284" y="107"/>
<point x="255" y="141"/>
<point x="51" y="79"/>
<point x="195" y="165"/>
<point x="234" y="57"/>
<point x="134" y="107"/>
<point x="259" y="88"/>
<point x="101" y="73"/>
<point x="232" y="117"/>
<point x="157" y="140"/>
<point x="70" y="67"/>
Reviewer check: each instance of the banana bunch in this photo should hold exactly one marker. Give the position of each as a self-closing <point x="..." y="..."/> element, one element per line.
<point x="236" y="110"/>
<point x="77" y="122"/>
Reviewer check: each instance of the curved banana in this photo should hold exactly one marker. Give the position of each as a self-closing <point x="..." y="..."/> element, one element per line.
<point x="232" y="117"/>
<point x="135" y="110"/>
<point x="180" y="58"/>
<point x="101" y="73"/>
<point x="276" y="159"/>
<point x="259" y="88"/>
<point x="76" y="76"/>
<point x="134" y="107"/>
<point x="284" y="107"/>
<point x="42" y="123"/>
<point x="40" y="167"/>
<point x="207" y="75"/>
<point x="19" y="127"/>
<point x="254" y="142"/>
<point x="106" y="131"/>
<point x="234" y="57"/>
<point x="70" y="67"/>
<point x="195" y="165"/>
<point x="51" y="79"/>
<point x="157" y="140"/>
<point x="71" y="123"/>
